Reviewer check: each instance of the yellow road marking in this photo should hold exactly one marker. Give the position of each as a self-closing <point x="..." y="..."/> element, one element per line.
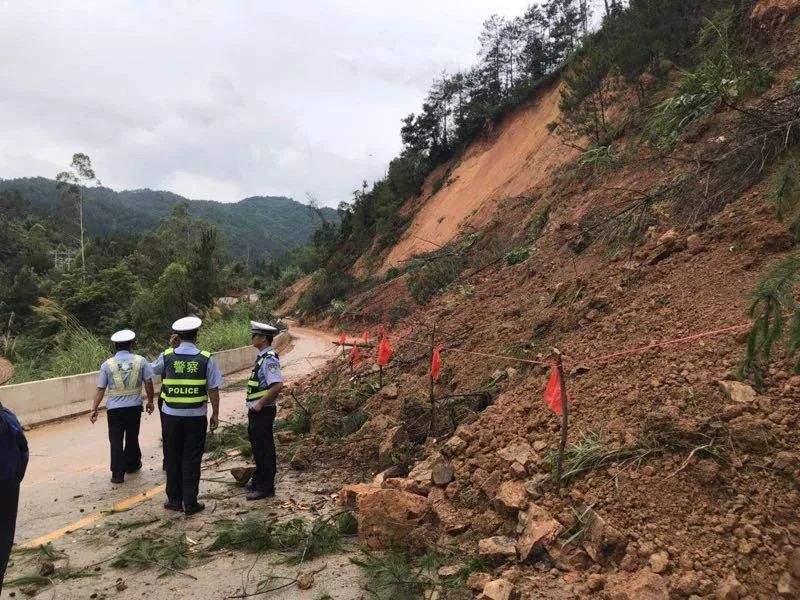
<point x="120" y="506"/>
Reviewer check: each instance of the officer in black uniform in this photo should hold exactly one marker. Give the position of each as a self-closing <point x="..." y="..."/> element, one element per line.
<point x="13" y="463"/>
<point x="190" y="380"/>
<point x="263" y="387"/>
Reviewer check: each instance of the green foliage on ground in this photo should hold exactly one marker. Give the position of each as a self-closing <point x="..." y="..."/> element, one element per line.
<point x="434" y="277"/>
<point x="775" y="313"/>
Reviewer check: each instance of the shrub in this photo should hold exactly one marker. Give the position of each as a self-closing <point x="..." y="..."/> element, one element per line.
<point x="434" y="277"/>
<point x="517" y="256"/>
<point x="326" y="285"/>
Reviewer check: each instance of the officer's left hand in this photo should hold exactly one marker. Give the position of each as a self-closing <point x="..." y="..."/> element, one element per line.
<point x="213" y="422"/>
<point x="150" y="408"/>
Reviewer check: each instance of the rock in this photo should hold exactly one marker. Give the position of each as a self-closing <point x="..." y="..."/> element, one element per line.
<point x="520" y="452"/>
<point x="541" y="529"/>
<point x="794" y="562"/>
<point x="517" y="470"/>
<point x="350" y="495"/>
<point x="390" y="391"/>
<point x="386" y="517"/>
<point x="450" y="519"/>
<point x="305" y="580"/>
<point x="788" y="586"/>
<point x="449" y="570"/>
<point x="393" y="471"/>
<point x="498" y="589"/>
<point x="729" y="589"/>
<point x="421" y="474"/>
<point x="576" y="372"/>
<point x="442" y="474"/>
<point x="687" y="583"/>
<point x="737" y="391"/>
<point x="595" y="582"/>
<point x="694" y="244"/>
<point x="391" y="440"/>
<point x="301" y="459"/>
<point x="642" y="585"/>
<point x="121" y="586"/>
<point x="477" y="581"/>
<point x="497" y="548"/>
<point x="242" y="474"/>
<point x="511" y="497"/>
<point x="706" y="471"/>
<point x="669" y="243"/>
<point x="539" y="445"/>
<point x="46" y="569"/>
<point x="601" y="541"/>
<point x="788" y="462"/>
<point x="659" y="562"/>
<point x="454" y="446"/>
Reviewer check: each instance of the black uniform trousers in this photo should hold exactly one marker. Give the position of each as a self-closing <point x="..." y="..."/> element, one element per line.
<point x="184" y="444"/>
<point x="161" y="417"/>
<point x="9" y="502"/>
<point x="123" y="436"/>
<point x="262" y="441"/>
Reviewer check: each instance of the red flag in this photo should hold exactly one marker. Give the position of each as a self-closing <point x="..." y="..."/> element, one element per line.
<point x="366" y="336"/>
<point x="342" y="339"/>
<point x="552" y="393"/>
<point x="384" y="352"/>
<point x="355" y="356"/>
<point x="436" y="363"/>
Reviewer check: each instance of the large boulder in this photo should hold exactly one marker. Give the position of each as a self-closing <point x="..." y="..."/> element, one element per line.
<point x="541" y="530"/>
<point x="350" y="495"/>
<point x="386" y="517"/>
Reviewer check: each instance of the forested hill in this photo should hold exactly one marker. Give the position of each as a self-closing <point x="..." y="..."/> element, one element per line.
<point x="271" y="225"/>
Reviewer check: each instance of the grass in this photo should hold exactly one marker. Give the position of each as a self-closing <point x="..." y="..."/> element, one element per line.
<point x="46" y="551"/>
<point x="224" y="334"/>
<point x="41" y="580"/>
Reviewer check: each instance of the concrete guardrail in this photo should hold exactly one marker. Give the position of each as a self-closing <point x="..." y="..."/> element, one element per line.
<point x="37" y="402"/>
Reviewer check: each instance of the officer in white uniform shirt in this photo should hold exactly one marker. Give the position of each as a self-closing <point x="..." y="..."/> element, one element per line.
<point x="263" y="387"/>
<point x="123" y="375"/>
<point x="190" y="381"/>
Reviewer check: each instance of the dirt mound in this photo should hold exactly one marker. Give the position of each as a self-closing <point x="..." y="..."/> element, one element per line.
<point x="519" y="155"/>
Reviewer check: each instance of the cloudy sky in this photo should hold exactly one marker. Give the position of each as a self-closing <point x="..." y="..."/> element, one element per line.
<point x="224" y="100"/>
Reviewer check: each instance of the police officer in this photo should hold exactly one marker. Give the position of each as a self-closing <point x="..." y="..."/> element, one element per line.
<point x="174" y="342"/>
<point x="263" y="387"/>
<point x="13" y="462"/>
<point x="190" y="379"/>
<point x="123" y="375"/>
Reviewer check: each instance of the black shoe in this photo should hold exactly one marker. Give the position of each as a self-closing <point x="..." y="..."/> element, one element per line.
<point x="176" y="506"/>
<point x="260" y="494"/>
<point x="118" y="478"/>
<point x="195" y="508"/>
<point x="134" y="468"/>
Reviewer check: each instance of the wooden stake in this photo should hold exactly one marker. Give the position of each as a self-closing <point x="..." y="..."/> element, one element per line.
<point x="380" y="375"/>
<point x="431" y="398"/>
<point x="564" y="417"/>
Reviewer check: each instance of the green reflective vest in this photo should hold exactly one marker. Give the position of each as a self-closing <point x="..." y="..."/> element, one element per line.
<point x="255" y="390"/>
<point x="184" y="380"/>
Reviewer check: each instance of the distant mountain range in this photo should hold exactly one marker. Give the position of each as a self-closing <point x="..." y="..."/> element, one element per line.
<point x="266" y="225"/>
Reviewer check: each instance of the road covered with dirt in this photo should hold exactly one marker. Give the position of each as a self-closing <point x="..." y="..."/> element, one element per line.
<point x="79" y="536"/>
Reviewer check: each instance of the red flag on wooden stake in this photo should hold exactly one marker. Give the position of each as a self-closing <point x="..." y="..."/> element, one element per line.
<point x="384" y="352"/>
<point x="355" y="356"/>
<point x="436" y="363"/>
<point x="342" y="339"/>
<point x="552" y="393"/>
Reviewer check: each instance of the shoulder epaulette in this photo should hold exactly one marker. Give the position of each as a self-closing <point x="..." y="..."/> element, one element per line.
<point x="205" y="353"/>
<point x="169" y="351"/>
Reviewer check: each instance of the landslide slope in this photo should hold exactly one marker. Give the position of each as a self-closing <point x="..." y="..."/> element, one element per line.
<point x="680" y="486"/>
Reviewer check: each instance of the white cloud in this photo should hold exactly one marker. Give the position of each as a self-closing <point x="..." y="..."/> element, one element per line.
<point x="224" y="100"/>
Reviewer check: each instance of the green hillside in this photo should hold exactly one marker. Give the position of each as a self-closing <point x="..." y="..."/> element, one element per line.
<point x="267" y="225"/>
